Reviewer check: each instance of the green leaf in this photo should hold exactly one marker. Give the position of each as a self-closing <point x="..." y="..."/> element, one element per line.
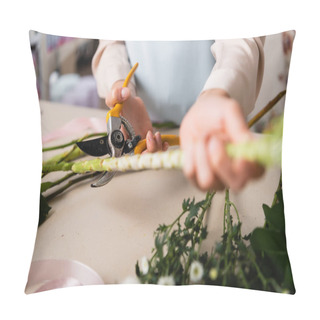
<point x="204" y="233"/>
<point x="45" y="186"/>
<point x="194" y="209"/>
<point x="288" y="280"/>
<point x="44" y="209"/>
<point x="185" y="204"/>
<point x="268" y="241"/>
<point x="275" y="217"/>
<point x="161" y="228"/>
<point x="138" y="273"/>
<point x="247" y="236"/>
<point x="270" y="245"/>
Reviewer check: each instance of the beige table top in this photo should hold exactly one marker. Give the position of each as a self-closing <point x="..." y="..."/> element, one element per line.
<point x="110" y="228"/>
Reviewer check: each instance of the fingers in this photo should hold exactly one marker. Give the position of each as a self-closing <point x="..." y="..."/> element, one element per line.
<point x="198" y="169"/>
<point x="189" y="168"/>
<point x="151" y="142"/>
<point x="117" y="95"/>
<point x="158" y="140"/>
<point x="208" y="166"/>
<point x="154" y="143"/>
<point x="233" y="173"/>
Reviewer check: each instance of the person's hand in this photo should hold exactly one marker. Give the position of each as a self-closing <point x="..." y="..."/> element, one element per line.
<point x="136" y="113"/>
<point x="213" y="121"/>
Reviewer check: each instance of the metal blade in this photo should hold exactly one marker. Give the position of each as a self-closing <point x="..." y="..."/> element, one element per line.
<point x="95" y="147"/>
<point x="104" y="179"/>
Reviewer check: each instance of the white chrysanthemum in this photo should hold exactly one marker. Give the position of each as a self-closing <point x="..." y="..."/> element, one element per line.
<point x="196" y="271"/>
<point x="144" y="265"/>
<point x="166" y="281"/>
<point x="131" y="280"/>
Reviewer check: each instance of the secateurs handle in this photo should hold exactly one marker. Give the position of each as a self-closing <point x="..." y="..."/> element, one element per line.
<point x="171" y="139"/>
<point x="116" y="110"/>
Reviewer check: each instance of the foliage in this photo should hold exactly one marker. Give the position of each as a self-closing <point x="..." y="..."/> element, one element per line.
<point x="44" y="209"/>
<point x="256" y="261"/>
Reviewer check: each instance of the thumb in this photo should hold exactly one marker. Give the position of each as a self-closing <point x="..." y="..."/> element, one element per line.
<point x="117" y="95"/>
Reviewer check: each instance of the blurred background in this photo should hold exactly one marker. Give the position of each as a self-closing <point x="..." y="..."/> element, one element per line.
<point x="63" y="71"/>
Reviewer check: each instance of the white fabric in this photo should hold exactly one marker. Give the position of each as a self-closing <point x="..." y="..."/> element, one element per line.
<point x="171" y="75"/>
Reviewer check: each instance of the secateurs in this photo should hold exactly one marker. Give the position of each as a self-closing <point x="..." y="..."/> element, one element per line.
<point x="114" y="143"/>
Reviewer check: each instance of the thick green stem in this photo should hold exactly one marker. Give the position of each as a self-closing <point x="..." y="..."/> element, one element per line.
<point x="61" y="166"/>
<point x="265" y="151"/>
<point x="160" y="160"/>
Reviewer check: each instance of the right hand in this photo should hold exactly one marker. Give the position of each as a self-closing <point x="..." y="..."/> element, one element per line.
<point x="135" y="112"/>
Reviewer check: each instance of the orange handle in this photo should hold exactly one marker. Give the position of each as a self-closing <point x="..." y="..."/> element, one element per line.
<point x="172" y="139"/>
<point x="116" y="110"/>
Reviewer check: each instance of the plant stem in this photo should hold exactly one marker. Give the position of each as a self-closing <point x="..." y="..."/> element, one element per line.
<point x="266" y="151"/>
<point x="268" y="107"/>
<point x="60" y="166"/>
<point x="205" y="207"/>
<point x="47" y="185"/>
<point x="69" y="184"/>
<point x="263" y="280"/>
<point x="229" y="235"/>
<point x="172" y="159"/>
<point x="243" y="278"/>
<point x="67" y="156"/>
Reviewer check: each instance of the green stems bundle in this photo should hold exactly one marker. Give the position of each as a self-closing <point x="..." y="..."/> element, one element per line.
<point x="266" y="151"/>
<point x="255" y="261"/>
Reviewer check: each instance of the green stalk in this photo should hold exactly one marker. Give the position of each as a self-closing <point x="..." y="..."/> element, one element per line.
<point x="227" y="217"/>
<point x="206" y="206"/>
<point x="60" y="166"/>
<point x="47" y="185"/>
<point x="69" y="184"/>
<point x="268" y="107"/>
<point x="75" y="153"/>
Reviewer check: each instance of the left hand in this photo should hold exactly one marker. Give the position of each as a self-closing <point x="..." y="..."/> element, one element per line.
<point x="213" y="121"/>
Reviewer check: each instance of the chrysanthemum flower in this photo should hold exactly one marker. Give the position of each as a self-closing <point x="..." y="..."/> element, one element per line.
<point x="196" y="271"/>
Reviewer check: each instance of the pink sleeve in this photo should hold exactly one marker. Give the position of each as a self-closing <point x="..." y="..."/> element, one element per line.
<point x="238" y="69"/>
<point x="110" y="64"/>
